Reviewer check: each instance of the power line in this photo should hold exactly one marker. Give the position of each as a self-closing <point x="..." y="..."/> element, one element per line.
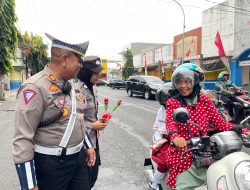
<point x="188" y="5"/>
<point x="221" y="4"/>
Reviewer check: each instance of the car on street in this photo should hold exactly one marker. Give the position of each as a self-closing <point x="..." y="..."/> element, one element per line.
<point x="102" y="82"/>
<point x="117" y="83"/>
<point x="143" y="85"/>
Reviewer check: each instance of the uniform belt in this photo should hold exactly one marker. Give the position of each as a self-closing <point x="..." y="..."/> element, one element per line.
<point x="59" y="151"/>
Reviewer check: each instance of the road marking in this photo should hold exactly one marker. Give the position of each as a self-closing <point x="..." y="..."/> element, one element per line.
<point x="5" y="122"/>
<point x="131" y="132"/>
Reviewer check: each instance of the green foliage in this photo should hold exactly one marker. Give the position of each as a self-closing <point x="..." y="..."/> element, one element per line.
<point x="8" y="35"/>
<point x="128" y="68"/>
<point x="35" y="51"/>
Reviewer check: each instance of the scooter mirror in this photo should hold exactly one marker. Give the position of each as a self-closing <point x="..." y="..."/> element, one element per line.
<point x="181" y="115"/>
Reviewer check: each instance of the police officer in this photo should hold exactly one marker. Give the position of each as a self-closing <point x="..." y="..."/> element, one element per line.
<point x="49" y="129"/>
<point x="87" y="77"/>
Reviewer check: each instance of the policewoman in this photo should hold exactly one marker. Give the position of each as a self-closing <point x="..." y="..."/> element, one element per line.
<point x="49" y="129"/>
<point x="87" y="77"/>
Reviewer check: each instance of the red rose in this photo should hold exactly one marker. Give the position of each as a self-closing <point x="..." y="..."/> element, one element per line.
<point x="106" y="100"/>
<point x="107" y="116"/>
<point x="119" y="102"/>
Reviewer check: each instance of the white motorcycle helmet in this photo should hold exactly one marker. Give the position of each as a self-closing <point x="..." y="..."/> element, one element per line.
<point x="222" y="74"/>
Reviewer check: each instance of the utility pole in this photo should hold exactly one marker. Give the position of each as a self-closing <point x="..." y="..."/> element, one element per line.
<point x="183" y="33"/>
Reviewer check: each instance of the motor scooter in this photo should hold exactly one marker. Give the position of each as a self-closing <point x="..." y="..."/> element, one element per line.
<point x="241" y="105"/>
<point x="231" y="167"/>
<point x="219" y="104"/>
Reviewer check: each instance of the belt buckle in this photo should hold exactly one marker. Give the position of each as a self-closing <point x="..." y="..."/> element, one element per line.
<point x="61" y="151"/>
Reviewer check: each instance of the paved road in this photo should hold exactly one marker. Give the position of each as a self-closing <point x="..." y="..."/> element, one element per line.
<point x="8" y="179"/>
<point x="124" y="143"/>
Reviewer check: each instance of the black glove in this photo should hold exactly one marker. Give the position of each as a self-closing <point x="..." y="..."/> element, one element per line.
<point x="237" y="128"/>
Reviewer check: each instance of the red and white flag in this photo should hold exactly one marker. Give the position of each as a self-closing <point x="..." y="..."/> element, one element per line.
<point x="221" y="51"/>
<point x="219" y="45"/>
<point x="162" y="63"/>
<point x="145" y="64"/>
<point x="197" y="58"/>
<point x="188" y="52"/>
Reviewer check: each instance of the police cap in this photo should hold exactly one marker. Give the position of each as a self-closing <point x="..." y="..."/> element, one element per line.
<point x="93" y="63"/>
<point x="79" y="49"/>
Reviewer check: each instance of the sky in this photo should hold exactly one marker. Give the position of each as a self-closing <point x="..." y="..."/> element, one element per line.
<point x="109" y="25"/>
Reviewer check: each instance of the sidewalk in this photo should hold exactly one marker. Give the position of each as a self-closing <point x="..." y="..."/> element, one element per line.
<point x="8" y="93"/>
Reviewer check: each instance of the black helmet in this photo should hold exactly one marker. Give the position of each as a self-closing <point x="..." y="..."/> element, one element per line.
<point x="162" y="94"/>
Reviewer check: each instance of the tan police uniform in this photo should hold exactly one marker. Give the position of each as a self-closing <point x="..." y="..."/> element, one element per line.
<point x="91" y="65"/>
<point x="90" y="108"/>
<point x="49" y="127"/>
<point x="38" y="101"/>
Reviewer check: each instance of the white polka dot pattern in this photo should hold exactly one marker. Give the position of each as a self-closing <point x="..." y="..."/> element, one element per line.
<point x="203" y="113"/>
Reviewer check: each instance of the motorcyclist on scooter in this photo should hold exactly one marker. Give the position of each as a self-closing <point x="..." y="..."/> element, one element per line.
<point x="162" y="95"/>
<point x="199" y="70"/>
<point x="228" y="88"/>
<point x="183" y="173"/>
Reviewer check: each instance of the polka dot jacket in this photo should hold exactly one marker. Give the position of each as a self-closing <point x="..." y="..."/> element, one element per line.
<point x="203" y="112"/>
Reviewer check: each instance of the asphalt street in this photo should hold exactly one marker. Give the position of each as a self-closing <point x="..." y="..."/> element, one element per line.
<point x="124" y="143"/>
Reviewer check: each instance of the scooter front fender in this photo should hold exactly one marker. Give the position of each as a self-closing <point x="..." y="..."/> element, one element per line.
<point x="225" y="167"/>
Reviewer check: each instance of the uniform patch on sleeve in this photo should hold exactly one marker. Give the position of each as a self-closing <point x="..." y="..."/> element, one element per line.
<point x="28" y="95"/>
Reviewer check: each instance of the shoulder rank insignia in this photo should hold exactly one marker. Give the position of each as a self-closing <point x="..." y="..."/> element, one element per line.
<point x="52" y="78"/>
<point x="53" y="87"/>
<point x="28" y="95"/>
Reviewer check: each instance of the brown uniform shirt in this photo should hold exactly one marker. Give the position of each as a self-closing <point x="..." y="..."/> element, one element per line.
<point x="90" y="109"/>
<point x="39" y="100"/>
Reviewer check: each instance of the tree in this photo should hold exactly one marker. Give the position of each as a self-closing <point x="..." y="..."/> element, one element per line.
<point x="8" y="35"/>
<point x="128" y="68"/>
<point x="35" y="51"/>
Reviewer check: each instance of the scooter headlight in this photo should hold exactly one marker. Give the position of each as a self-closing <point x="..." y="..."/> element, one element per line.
<point x="242" y="175"/>
<point x="221" y="183"/>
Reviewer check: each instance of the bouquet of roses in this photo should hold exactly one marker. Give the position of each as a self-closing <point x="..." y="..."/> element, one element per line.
<point x="107" y="116"/>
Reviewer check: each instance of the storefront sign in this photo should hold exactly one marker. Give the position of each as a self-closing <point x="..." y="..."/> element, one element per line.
<point x="244" y="63"/>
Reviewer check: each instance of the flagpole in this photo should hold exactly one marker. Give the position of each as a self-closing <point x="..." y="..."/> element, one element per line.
<point x="183" y="33"/>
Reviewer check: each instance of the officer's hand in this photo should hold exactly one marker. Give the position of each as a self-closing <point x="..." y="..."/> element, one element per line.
<point x="99" y="125"/>
<point x="91" y="157"/>
<point x="35" y="188"/>
<point x="180" y="142"/>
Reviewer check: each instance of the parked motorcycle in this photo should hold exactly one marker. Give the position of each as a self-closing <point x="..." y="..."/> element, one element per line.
<point x="241" y="107"/>
<point x="219" y="104"/>
<point x="231" y="167"/>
